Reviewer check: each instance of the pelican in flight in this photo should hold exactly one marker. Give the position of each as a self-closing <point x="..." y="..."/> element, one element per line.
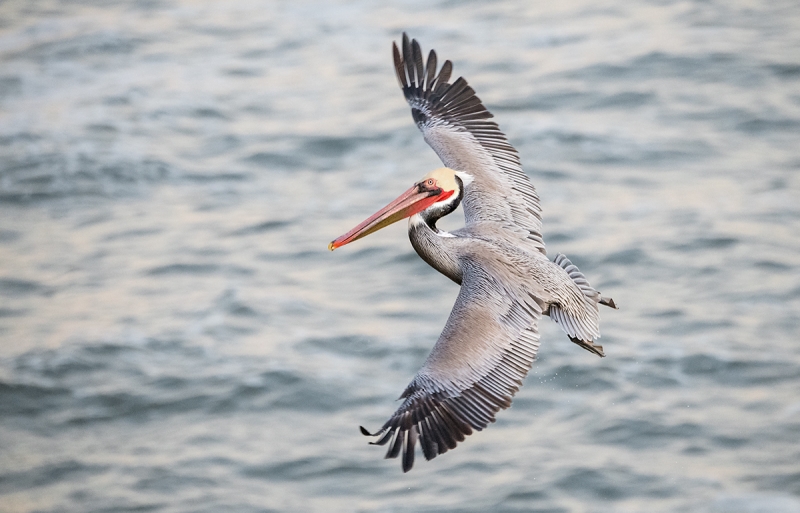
<point x="507" y="282"/>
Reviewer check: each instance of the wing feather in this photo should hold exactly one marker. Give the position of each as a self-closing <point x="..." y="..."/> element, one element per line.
<point x="399" y="69"/>
<point x="485" y="351"/>
<point x="444" y="77"/>
<point x="430" y="70"/>
<point x="418" y="64"/>
<point x="453" y="121"/>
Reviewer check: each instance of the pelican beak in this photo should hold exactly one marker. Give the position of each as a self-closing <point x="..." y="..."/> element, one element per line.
<point x="414" y="200"/>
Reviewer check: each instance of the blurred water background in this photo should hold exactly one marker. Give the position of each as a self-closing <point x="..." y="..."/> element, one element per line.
<point x="175" y="336"/>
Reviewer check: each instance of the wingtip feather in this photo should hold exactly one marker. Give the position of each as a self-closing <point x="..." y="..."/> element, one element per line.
<point x="399" y="70"/>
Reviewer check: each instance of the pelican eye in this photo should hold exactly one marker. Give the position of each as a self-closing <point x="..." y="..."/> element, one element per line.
<point x="430" y="181"/>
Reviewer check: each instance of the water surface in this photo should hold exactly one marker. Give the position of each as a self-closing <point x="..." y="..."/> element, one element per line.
<point x="177" y="338"/>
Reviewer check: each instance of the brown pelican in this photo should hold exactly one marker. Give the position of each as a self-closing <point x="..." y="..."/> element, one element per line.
<point x="507" y="282"/>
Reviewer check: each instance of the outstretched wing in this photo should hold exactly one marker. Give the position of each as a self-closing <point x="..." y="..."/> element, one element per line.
<point x="455" y="124"/>
<point x="485" y="351"/>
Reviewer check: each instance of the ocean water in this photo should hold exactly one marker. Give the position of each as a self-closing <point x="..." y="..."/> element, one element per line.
<point x="175" y="336"/>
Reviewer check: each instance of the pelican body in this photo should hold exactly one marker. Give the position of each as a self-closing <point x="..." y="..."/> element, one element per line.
<point x="498" y="258"/>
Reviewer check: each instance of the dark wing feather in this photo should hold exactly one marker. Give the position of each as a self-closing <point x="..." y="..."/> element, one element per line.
<point x="455" y="124"/>
<point x="430" y="71"/>
<point x="484" y="352"/>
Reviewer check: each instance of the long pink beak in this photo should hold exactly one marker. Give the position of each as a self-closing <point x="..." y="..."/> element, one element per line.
<point x="414" y="200"/>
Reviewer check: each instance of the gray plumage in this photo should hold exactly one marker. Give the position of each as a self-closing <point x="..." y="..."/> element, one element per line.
<point x="507" y="282"/>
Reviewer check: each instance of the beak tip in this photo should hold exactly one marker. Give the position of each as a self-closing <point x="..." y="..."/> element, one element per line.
<point x="331" y="246"/>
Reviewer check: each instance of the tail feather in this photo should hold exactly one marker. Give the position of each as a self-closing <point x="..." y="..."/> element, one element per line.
<point x="581" y="281"/>
<point x="608" y="302"/>
<point x="589" y="346"/>
<point x="581" y="327"/>
<point x="577" y="276"/>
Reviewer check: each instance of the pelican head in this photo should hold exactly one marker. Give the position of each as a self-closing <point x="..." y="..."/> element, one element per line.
<point x="436" y="195"/>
